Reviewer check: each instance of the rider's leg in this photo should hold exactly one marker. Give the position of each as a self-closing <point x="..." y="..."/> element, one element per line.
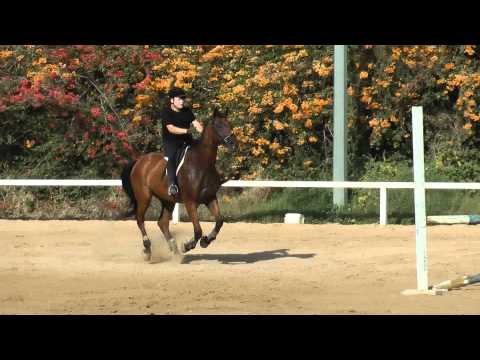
<point x="171" y="152"/>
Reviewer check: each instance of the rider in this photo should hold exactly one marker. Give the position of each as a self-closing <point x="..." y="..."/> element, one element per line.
<point x="177" y="121"/>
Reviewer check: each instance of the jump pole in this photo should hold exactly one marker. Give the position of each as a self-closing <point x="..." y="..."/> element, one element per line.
<point x="420" y="213"/>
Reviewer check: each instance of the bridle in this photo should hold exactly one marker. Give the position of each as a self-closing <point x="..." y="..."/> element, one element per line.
<point x="228" y="140"/>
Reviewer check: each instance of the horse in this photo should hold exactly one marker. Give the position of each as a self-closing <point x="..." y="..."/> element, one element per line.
<point x="198" y="180"/>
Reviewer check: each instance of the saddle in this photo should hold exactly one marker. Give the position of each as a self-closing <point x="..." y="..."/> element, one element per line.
<point x="180" y="158"/>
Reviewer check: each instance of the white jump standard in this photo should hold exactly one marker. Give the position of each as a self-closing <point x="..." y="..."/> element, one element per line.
<point x="420" y="215"/>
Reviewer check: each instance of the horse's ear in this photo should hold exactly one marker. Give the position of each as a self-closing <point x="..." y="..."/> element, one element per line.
<point x="215" y="112"/>
<point x="226" y="112"/>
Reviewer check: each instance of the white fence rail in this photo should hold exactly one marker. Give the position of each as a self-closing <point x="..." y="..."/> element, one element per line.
<point x="381" y="186"/>
<point x="52" y="182"/>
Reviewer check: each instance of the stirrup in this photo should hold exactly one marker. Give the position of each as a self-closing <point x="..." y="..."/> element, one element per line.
<point x="173" y="190"/>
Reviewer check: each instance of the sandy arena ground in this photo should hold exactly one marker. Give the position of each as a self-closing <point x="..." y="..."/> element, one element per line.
<point x="96" y="267"/>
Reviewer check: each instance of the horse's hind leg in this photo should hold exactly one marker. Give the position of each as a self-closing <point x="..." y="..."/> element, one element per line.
<point x="215" y="210"/>
<point x="163" y="223"/>
<point x="143" y="198"/>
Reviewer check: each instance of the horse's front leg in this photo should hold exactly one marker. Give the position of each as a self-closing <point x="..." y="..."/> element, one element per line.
<point x="215" y="210"/>
<point x="191" y="208"/>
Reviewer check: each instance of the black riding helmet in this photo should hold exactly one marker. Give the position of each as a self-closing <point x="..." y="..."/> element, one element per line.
<point x="177" y="92"/>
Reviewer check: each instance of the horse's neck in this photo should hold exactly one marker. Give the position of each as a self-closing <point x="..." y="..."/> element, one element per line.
<point x="208" y="147"/>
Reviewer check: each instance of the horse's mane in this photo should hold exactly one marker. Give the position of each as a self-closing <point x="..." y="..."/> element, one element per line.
<point x="207" y="124"/>
<point x="202" y="136"/>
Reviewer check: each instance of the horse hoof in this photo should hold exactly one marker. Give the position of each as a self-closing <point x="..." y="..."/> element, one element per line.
<point x="172" y="244"/>
<point x="188" y="246"/>
<point x="147" y="255"/>
<point x="204" y="242"/>
<point x="184" y="248"/>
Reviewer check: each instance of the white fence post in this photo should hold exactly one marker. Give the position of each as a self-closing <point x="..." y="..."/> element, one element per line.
<point x="420" y="215"/>
<point x="176" y="214"/>
<point x="383" y="205"/>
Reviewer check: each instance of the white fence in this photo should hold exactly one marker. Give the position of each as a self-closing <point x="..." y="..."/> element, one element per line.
<point x="381" y="186"/>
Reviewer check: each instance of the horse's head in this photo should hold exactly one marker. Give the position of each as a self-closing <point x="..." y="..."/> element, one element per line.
<point x="223" y="129"/>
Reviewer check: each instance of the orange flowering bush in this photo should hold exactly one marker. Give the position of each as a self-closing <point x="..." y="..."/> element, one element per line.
<point x="95" y="107"/>
<point x="279" y="97"/>
<point x="442" y="79"/>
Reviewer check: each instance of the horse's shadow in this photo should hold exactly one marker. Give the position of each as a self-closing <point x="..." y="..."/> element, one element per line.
<point x="245" y="258"/>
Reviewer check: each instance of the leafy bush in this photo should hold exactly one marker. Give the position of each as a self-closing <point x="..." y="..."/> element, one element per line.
<point x="84" y="111"/>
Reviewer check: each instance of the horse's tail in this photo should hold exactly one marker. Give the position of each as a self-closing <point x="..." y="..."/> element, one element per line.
<point x="127" y="187"/>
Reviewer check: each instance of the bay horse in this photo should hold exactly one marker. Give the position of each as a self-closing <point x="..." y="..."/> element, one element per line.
<point x="198" y="180"/>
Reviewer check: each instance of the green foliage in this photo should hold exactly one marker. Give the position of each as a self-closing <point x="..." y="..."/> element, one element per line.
<point x="84" y="111"/>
